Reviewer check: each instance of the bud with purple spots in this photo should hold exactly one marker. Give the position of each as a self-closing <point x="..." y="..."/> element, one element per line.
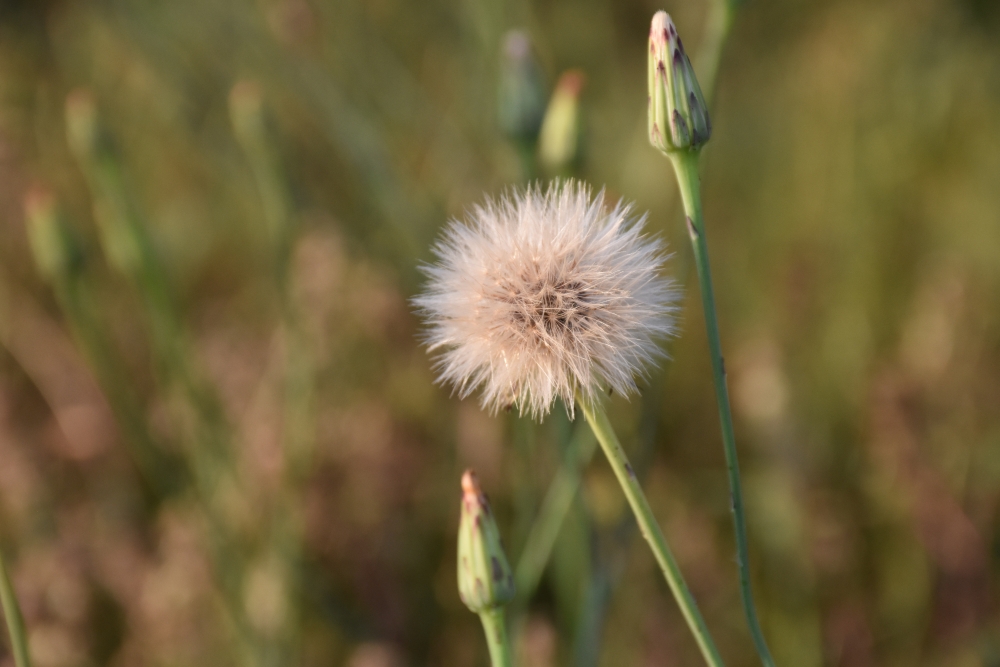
<point x="678" y="114"/>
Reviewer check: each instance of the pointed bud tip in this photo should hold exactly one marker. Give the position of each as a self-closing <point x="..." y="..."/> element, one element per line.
<point x="245" y="92"/>
<point x="517" y="45"/>
<point x="470" y="484"/>
<point x="38" y="200"/>
<point x="661" y="28"/>
<point x="80" y="100"/>
<point x="571" y="82"/>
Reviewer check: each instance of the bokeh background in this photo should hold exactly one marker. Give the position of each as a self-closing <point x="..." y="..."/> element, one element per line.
<point x="220" y="441"/>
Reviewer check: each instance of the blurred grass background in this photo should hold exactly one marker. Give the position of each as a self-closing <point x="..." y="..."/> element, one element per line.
<point x="220" y="442"/>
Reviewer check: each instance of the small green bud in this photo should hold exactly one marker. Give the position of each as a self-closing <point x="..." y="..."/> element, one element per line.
<point x="82" y="128"/>
<point x="249" y="120"/>
<point x="521" y="97"/>
<point x="485" y="580"/>
<point x="246" y="111"/>
<point x="678" y="114"/>
<point x="88" y="140"/>
<point x="55" y="250"/>
<point x="559" y="142"/>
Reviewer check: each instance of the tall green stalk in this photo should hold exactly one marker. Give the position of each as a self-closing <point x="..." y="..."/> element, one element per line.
<point x="196" y="405"/>
<point x="15" y="622"/>
<point x="686" y="167"/>
<point x="598" y="420"/>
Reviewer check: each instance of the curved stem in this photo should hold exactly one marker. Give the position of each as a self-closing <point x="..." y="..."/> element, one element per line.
<point x="15" y="622"/>
<point x="495" y="627"/>
<point x="650" y="529"/>
<point x="686" y="168"/>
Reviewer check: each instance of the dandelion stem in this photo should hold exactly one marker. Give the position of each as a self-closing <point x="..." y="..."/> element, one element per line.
<point x="650" y="529"/>
<point x="686" y="167"/>
<point x="495" y="627"/>
<point x="15" y="622"/>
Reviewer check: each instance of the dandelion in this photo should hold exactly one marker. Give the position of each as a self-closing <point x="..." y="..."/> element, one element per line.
<point x="544" y="295"/>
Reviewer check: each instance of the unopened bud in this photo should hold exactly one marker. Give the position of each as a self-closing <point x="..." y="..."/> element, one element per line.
<point x="558" y="144"/>
<point x="53" y="246"/>
<point x="246" y="110"/>
<point x="485" y="580"/>
<point x="81" y="122"/>
<point x="521" y="102"/>
<point x="678" y="114"/>
<point x="121" y="241"/>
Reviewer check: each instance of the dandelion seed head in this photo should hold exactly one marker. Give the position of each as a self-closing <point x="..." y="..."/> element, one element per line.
<point x="543" y="294"/>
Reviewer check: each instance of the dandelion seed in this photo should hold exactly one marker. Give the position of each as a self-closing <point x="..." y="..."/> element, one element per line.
<point x="545" y="294"/>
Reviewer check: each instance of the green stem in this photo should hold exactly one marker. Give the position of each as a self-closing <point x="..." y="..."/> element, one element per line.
<point x="15" y="622"/>
<point x="686" y="168"/>
<point x="720" y="22"/>
<point x="495" y="627"/>
<point x="555" y="507"/>
<point x="598" y="421"/>
<point x="527" y="151"/>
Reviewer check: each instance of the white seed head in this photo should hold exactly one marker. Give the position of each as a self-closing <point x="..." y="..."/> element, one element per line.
<point x="544" y="294"/>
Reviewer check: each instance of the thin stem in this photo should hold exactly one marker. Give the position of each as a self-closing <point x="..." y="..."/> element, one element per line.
<point x="495" y="627"/>
<point x="527" y="151"/>
<point x="686" y="168"/>
<point x="15" y="622"/>
<point x="720" y="22"/>
<point x="598" y="421"/>
<point x="555" y="507"/>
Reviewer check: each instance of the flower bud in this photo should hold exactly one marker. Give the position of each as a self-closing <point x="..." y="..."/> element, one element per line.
<point x="485" y="580"/>
<point x="559" y="141"/>
<point x="82" y="128"/>
<point x="678" y="114"/>
<point x="249" y="120"/>
<point x="522" y="90"/>
<point x="55" y="250"/>
<point x="246" y="111"/>
<point x="122" y="241"/>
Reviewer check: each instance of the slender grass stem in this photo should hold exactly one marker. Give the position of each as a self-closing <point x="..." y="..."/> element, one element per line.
<point x="650" y="529"/>
<point x="555" y="507"/>
<point x="495" y="627"/>
<point x="281" y="220"/>
<point x="15" y="622"/>
<point x="720" y="22"/>
<point x="686" y="168"/>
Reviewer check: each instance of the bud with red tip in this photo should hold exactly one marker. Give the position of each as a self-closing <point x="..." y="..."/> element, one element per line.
<point x="559" y="141"/>
<point x="485" y="580"/>
<point x="56" y="249"/>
